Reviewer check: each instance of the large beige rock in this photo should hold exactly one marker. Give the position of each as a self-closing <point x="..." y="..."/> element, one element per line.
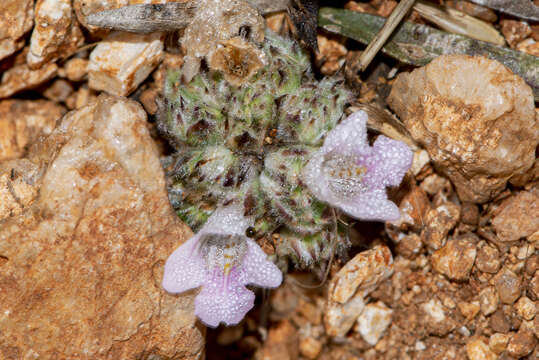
<point x="82" y="261"/>
<point x="16" y="18"/>
<point x="475" y="118"/>
<point x="56" y="34"/>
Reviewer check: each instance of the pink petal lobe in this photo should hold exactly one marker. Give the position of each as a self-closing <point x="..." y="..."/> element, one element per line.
<point x="349" y="137"/>
<point x="184" y="269"/>
<point x="258" y="270"/>
<point x="390" y="161"/>
<point x="372" y="205"/>
<point x="223" y="302"/>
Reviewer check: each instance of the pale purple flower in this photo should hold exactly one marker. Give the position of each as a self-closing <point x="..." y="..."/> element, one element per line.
<point x="222" y="260"/>
<point x="349" y="174"/>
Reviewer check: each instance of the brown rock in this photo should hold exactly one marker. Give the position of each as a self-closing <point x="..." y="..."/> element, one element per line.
<point x="148" y="100"/>
<point x="22" y="122"/>
<point x="515" y="31"/>
<point x="85" y="259"/>
<point x="76" y="69"/>
<point x="521" y="344"/>
<point x="474" y="10"/>
<point x="533" y="287"/>
<point x="469" y="309"/>
<point x="21" y="77"/>
<point x="529" y="46"/>
<point x="488" y="259"/>
<point x="499" y="322"/>
<point x="310" y="347"/>
<point x="16" y="18"/>
<point x="478" y="350"/>
<point x="517" y="216"/>
<point x="363" y="272"/>
<point x="439" y="221"/>
<point x="474" y="117"/>
<point x="488" y="300"/>
<point x="310" y="311"/>
<point x="455" y="259"/>
<point x="525" y="308"/>
<point x="282" y="343"/>
<point x="508" y="285"/>
<point x="436" y="319"/>
<point x="498" y="342"/>
<point x="469" y="213"/>
<point x="331" y="54"/>
<point x="413" y="208"/>
<point x="434" y="184"/>
<point x="409" y="245"/>
<point x="59" y="91"/>
<point x="56" y="34"/>
<point x="532" y="264"/>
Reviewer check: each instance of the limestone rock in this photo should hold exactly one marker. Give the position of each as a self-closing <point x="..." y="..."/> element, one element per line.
<point x="436" y="318"/>
<point x="16" y="18"/>
<point x="56" y="33"/>
<point x="21" y="77"/>
<point x="488" y="300"/>
<point x="120" y="62"/>
<point x="339" y="318"/>
<point x="83" y="261"/>
<point x="475" y="118"/>
<point x="478" y="350"/>
<point x="22" y="122"/>
<point x="373" y="322"/>
<point x="348" y="288"/>
<point x="456" y="258"/>
<point x="363" y="272"/>
<point x="518" y="216"/>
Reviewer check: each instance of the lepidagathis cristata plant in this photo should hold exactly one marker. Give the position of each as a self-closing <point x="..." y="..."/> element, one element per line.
<point x="263" y="150"/>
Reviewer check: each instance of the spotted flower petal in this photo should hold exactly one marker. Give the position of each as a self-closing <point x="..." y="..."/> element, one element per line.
<point x="222" y="260"/>
<point x="349" y="174"/>
<point x="223" y="300"/>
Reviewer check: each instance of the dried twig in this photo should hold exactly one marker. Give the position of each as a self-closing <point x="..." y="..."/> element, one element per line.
<point x="454" y="21"/>
<point x="392" y="21"/>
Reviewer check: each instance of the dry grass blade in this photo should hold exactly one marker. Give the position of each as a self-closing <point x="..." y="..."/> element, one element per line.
<point x="391" y="23"/>
<point x="384" y="123"/>
<point x="454" y="21"/>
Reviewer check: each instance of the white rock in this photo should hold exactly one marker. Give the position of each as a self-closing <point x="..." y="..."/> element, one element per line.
<point x="56" y="33"/>
<point x="373" y="322"/>
<point x="339" y="318"/>
<point x="122" y="61"/>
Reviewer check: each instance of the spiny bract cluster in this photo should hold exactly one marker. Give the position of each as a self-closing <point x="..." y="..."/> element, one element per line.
<point x="250" y="144"/>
